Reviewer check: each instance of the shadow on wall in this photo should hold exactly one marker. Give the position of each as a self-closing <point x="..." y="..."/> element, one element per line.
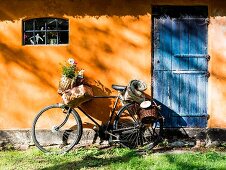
<point x="89" y="8"/>
<point x="98" y="108"/>
<point x="20" y="57"/>
<point x="73" y="8"/>
<point x="171" y="118"/>
<point x="105" y="38"/>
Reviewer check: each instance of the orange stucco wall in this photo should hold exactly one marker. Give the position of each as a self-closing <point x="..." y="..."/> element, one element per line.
<point x="111" y="40"/>
<point x="217" y="50"/>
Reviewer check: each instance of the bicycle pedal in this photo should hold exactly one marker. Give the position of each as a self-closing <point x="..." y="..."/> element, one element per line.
<point x="95" y="137"/>
<point x="95" y="128"/>
<point x="101" y="142"/>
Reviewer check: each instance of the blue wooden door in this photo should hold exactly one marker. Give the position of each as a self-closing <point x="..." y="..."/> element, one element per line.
<point x="180" y="66"/>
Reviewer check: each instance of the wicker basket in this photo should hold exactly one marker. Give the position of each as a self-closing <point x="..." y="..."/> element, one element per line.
<point x="148" y="115"/>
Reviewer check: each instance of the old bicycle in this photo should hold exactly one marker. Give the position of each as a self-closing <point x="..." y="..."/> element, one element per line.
<point x="58" y="128"/>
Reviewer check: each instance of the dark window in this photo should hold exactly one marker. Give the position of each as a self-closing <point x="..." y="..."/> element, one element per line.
<point x="45" y="31"/>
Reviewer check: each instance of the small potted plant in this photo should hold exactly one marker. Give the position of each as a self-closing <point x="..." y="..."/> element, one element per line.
<point x="69" y="69"/>
<point x="69" y="75"/>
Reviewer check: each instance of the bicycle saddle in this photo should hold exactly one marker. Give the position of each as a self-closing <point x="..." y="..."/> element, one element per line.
<point x="119" y="87"/>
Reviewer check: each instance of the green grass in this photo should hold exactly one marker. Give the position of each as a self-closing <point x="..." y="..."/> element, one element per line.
<point x="116" y="158"/>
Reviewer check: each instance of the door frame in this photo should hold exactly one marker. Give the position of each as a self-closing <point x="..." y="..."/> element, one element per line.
<point x="153" y="48"/>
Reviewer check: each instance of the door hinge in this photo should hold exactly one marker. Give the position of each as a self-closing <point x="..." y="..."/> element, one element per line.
<point x="207" y="74"/>
<point x="207" y="21"/>
<point x="208" y="57"/>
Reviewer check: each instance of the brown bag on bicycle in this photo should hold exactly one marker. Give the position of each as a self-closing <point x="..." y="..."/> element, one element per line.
<point x="134" y="91"/>
<point x="65" y="83"/>
<point x="77" y="95"/>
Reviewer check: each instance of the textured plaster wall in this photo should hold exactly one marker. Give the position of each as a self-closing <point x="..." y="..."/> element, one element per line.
<point x="217" y="50"/>
<point x="110" y="39"/>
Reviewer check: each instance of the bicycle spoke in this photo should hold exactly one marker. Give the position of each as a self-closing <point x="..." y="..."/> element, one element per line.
<point x="55" y="131"/>
<point x="132" y="133"/>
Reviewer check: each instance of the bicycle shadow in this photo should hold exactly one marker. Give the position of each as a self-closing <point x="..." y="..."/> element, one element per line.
<point x="97" y="108"/>
<point x="173" y="123"/>
<point x="94" y="161"/>
<point x="172" y="119"/>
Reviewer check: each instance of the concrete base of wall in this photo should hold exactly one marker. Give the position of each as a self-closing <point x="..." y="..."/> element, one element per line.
<point x="212" y="137"/>
<point x="21" y="139"/>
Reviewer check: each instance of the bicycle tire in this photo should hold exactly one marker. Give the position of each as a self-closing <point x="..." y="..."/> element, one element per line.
<point x="53" y="140"/>
<point x="132" y="133"/>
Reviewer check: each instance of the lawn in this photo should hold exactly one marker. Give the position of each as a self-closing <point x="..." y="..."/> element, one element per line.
<point x="115" y="158"/>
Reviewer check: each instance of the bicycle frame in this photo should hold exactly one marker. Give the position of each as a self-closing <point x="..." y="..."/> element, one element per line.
<point x="112" y="110"/>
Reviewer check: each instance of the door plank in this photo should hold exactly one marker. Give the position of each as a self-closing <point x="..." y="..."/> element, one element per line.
<point x="193" y="44"/>
<point x="166" y="46"/>
<point x="184" y="41"/>
<point x="157" y="44"/>
<point x="175" y="44"/>
<point x="193" y="107"/>
<point x="202" y="44"/>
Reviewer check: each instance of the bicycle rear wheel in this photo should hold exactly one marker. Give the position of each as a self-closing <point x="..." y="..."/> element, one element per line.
<point x="56" y="129"/>
<point x="132" y="132"/>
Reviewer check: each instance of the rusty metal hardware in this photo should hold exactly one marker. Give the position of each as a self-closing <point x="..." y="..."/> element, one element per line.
<point x="207" y="21"/>
<point x="207" y="74"/>
<point x="208" y="57"/>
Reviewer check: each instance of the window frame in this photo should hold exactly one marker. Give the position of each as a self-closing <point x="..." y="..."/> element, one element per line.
<point x="45" y="31"/>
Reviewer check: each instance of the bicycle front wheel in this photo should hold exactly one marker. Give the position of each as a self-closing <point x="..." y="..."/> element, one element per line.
<point x="56" y="129"/>
<point x="132" y="132"/>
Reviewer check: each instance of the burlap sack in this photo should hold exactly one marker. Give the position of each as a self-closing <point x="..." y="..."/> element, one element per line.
<point x="77" y="95"/>
<point x="131" y="96"/>
<point x="65" y="83"/>
<point x="134" y="91"/>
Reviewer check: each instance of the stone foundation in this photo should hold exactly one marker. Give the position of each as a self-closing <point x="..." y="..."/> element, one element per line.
<point x="200" y="137"/>
<point x="21" y="139"/>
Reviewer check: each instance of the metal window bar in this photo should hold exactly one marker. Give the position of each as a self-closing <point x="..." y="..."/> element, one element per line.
<point x="45" y="33"/>
<point x="24" y="33"/>
<point x="57" y="30"/>
<point x="34" y="32"/>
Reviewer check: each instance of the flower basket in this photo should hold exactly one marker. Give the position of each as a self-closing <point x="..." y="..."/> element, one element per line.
<point x="77" y="95"/>
<point x="71" y="85"/>
<point x="71" y="77"/>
